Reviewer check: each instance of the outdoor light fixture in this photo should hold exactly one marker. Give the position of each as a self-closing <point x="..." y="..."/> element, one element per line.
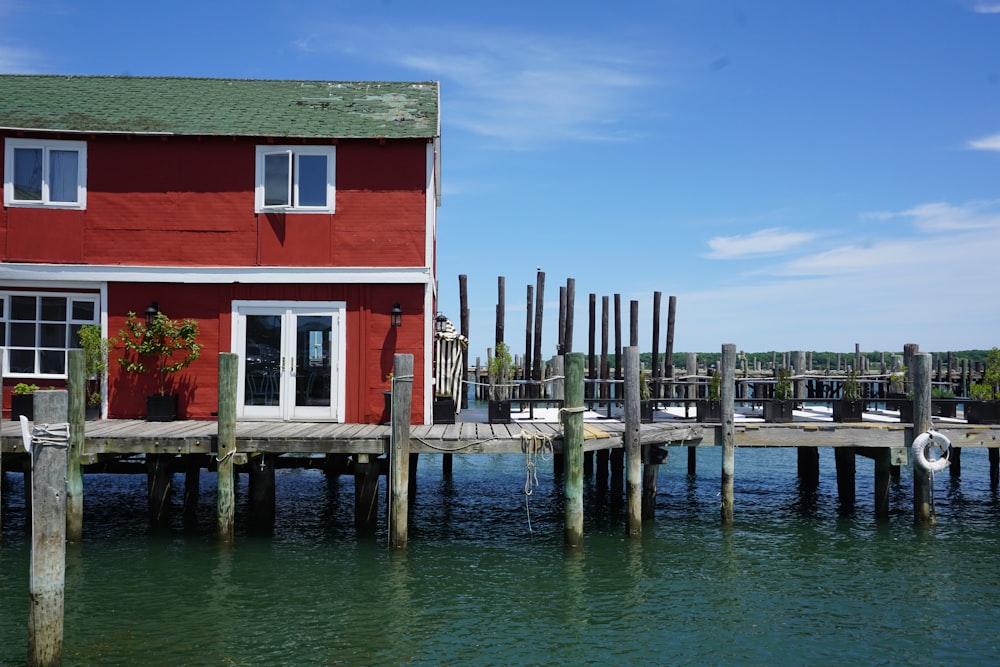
<point x="441" y="323"/>
<point x="397" y="316"/>
<point x="151" y="313"/>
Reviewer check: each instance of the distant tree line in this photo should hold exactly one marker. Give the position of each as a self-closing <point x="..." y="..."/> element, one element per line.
<point x="819" y="359"/>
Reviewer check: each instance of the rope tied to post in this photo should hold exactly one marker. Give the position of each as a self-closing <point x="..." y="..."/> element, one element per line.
<point x="45" y="435"/>
<point x="533" y="444"/>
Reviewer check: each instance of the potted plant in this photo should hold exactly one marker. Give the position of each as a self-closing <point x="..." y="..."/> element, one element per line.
<point x="849" y="407"/>
<point x="161" y="346"/>
<point x="95" y="348"/>
<point x="778" y="410"/>
<point x="645" y="404"/>
<point x="22" y="401"/>
<point x="984" y="406"/>
<point x="710" y="408"/>
<point x="500" y="371"/>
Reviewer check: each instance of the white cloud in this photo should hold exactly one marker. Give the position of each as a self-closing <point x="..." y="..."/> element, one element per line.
<point x="519" y="88"/>
<point x="771" y="241"/>
<point x="944" y="217"/>
<point x="987" y="143"/>
<point x="984" y="7"/>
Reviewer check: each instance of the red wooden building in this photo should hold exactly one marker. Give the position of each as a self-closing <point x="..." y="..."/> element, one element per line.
<point x="290" y="218"/>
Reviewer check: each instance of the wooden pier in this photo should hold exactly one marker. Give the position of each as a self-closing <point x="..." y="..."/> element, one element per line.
<point x="366" y="450"/>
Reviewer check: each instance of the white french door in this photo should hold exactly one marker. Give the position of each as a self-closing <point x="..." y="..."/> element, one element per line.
<point x="291" y="360"/>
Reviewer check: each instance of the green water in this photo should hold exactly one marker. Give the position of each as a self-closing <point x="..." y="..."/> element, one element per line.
<point x="796" y="581"/>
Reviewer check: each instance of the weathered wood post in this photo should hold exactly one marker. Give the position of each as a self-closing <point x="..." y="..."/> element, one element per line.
<point x="691" y="368"/>
<point x="843" y="458"/>
<point x="262" y="493"/>
<point x="573" y="451"/>
<point x="226" y="446"/>
<point x="77" y="386"/>
<point x="726" y="430"/>
<point x="883" y="478"/>
<point x="920" y="374"/>
<point x="50" y="443"/>
<point x="399" y="450"/>
<point x="633" y="447"/>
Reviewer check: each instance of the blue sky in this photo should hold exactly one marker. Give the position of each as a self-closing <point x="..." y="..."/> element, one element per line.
<point x="800" y="175"/>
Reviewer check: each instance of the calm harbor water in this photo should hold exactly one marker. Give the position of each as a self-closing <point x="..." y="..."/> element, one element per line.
<point x="795" y="581"/>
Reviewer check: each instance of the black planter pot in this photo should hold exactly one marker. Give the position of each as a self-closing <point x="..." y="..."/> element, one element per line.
<point x="906" y="412"/>
<point x="845" y="411"/>
<point x="387" y="408"/>
<point x="944" y="408"/>
<point x="646" y="412"/>
<point x="161" y="408"/>
<point x="444" y="410"/>
<point x="778" y="412"/>
<point x="895" y="400"/>
<point x="499" y="412"/>
<point x="92" y="413"/>
<point x="982" y="412"/>
<point x="709" y="411"/>
<point x="22" y="404"/>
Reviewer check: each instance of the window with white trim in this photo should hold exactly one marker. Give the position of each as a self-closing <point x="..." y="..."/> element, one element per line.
<point x="46" y="173"/>
<point x="37" y="330"/>
<point x="295" y="179"/>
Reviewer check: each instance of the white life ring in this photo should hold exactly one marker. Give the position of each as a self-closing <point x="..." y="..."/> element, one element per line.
<point x="930" y="451"/>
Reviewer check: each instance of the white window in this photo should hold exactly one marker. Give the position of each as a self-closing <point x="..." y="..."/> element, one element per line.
<point x="295" y="179"/>
<point x="39" y="172"/>
<point x="37" y="330"/>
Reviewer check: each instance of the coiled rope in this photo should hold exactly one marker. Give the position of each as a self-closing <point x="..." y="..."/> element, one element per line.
<point x="534" y="445"/>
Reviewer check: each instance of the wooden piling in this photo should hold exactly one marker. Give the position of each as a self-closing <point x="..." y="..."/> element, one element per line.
<point x="844" y="459"/>
<point x="808" y="467"/>
<point x="226" y="447"/>
<point x="159" y="479"/>
<point x="463" y="297"/>
<point x="536" y="369"/>
<point x="691" y="365"/>
<point x="76" y="383"/>
<point x="192" y="484"/>
<point x="573" y="451"/>
<point x="633" y="447"/>
<point x="883" y="476"/>
<point x="399" y="452"/>
<point x="570" y="307"/>
<point x="366" y="476"/>
<point x="655" y="367"/>
<point x="262" y="493"/>
<point x="727" y="429"/>
<point x="48" y="530"/>
<point x="920" y="374"/>
<point x="994" y="457"/>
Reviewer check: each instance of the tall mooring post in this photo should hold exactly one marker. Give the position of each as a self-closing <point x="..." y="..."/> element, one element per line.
<point x="920" y="374"/>
<point x="573" y="451"/>
<point x="727" y="429"/>
<point x="633" y="447"/>
<point x="226" y="508"/>
<point x="49" y="446"/>
<point x="399" y="451"/>
<point x="77" y="386"/>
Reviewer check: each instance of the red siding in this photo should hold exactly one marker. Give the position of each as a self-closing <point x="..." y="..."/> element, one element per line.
<point x="367" y="363"/>
<point x="189" y="201"/>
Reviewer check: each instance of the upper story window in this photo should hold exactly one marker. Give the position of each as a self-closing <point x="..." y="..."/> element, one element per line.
<point x="40" y="172"/>
<point x="295" y="179"/>
<point x="37" y="330"/>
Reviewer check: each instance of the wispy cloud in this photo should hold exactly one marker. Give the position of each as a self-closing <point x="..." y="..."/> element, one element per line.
<point x="14" y="60"/>
<point x="986" y="7"/>
<point x="771" y="241"/>
<point x="987" y="143"/>
<point x="518" y="88"/>
<point x="944" y="217"/>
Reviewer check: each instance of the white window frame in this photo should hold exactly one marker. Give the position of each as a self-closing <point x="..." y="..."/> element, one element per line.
<point x="46" y="146"/>
<point x="296" y="152"/>
<point x="70" y="321"/>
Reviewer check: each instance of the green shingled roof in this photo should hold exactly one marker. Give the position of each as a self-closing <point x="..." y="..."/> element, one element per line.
<point x="245" y="107"/>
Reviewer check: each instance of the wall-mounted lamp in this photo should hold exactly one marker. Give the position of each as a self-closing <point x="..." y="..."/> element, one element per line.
<point x="441" y="323"/>
<point x="151" y="313"/>
<point x="396" y="315"/>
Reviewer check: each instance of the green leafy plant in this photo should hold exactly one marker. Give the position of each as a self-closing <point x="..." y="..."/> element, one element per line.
<point x="22" y="388"/>
<point x="644" y="389"/>
<point x="96" y="348"/>
<point x="783" y="386"/>
<point x="988" y="388"/>
<point x="163" y="346"/>
<point x="715" y="388"/>
<point x="500" y="371"/>
<point x="851" y="388"/>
